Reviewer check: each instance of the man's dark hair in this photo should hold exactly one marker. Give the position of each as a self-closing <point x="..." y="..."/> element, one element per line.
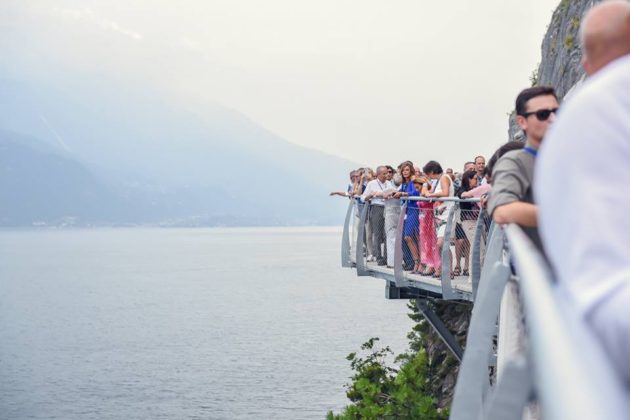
<point x="432" y="167"/>
<point x="529" y="93"/>
<point x="507" y="147"/>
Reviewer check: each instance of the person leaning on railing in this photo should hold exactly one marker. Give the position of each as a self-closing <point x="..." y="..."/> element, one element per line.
<point x="444" y="188"/>
<point x="410" y="226"/>
<point x="465" y="227"/>
<point x="392" y="214"/>
<point x="511" y="200"/>
<point x="351" y="186"/>
<point x="374" y="193"/>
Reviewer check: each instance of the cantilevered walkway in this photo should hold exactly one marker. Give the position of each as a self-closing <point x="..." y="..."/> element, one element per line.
<point x="546" y="361"/>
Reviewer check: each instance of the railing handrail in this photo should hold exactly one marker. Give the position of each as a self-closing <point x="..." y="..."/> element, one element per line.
<point x="414" y="198"/>
<point x="572" y="375"/>
<point x="445" y="199"/>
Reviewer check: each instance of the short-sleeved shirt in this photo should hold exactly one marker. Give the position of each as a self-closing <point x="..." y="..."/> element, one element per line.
<point x="512" y="178"/>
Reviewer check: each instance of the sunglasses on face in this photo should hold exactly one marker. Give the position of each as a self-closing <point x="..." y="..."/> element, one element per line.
<point x="541" y="114"/>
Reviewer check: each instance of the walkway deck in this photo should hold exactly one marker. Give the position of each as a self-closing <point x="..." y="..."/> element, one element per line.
<point x="425" y="283"/>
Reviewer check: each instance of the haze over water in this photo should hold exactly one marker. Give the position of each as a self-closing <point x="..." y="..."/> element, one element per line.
<point x="182" y="323"/>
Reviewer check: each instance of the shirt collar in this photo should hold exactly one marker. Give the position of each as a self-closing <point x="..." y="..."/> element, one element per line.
<point x="529" y="148"/>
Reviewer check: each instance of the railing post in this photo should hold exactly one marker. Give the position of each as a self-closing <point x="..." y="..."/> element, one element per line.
<point x="447" y="286"/>
<point x="345" y="239"/>
<point x="473" y="377"/>
<point x="475" y="267"/>
<point x="399" y="274"/>
<point x="359" y="257"/>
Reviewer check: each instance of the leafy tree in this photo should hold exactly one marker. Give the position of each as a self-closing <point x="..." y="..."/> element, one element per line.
<point x="379" y="391"/>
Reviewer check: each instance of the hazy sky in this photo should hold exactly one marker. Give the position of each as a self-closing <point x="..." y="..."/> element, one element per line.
<point x="371" y="81"/>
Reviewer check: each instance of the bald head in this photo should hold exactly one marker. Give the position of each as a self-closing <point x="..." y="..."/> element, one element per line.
<point x="605" y="34"/>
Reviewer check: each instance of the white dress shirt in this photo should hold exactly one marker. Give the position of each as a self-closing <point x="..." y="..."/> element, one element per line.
<point x="582" y="188"/>
<point x="376" y="186"/>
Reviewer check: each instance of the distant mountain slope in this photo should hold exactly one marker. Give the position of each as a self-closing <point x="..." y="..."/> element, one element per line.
<point x="39" y="184"/>
<point x="182" y="160"/>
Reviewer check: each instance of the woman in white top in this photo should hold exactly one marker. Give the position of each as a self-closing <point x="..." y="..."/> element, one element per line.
<point x="444" y="188"/>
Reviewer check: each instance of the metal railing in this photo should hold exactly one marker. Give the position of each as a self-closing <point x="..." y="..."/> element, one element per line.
<point x="437" y="245"/>
<point x="528" y="354"/>
<point x="549" y="363"/>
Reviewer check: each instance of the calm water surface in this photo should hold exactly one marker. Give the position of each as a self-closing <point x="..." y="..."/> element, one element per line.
<point x="182" y="323"/>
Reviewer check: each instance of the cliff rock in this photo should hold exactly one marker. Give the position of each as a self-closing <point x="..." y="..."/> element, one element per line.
<point x="561" y="54"/>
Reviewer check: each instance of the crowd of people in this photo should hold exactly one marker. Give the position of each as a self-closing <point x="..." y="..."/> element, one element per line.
<point x="564" y="186"/>
<point x="433" y="193"/>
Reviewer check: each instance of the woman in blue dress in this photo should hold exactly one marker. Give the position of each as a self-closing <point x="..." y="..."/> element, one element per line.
<point x="410" y="227"/>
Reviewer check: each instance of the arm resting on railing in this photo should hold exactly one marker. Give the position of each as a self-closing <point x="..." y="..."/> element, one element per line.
<point x="519" y="212"/>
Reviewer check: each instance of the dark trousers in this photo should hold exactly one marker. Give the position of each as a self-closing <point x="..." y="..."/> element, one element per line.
<point x="377" y="223"/>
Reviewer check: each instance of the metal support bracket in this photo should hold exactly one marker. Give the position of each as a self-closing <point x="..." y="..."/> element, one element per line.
<point x="434" y="320"/>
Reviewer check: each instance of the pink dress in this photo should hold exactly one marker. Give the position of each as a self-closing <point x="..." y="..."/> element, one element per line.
<point x="429" y="254"/>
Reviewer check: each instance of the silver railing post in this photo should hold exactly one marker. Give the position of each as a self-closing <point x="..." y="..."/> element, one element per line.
<point x="399" y="275"/>
<point x="473" y="378"/>
<point x="345" y="239"/>
<point x="447" y="286"/>
<point x="475" y="266"/>
<point x="359" y="255"/>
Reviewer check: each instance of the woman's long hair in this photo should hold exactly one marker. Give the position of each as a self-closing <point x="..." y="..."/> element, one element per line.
<point x="406" y="164"/>
<point x="466" y="177"/>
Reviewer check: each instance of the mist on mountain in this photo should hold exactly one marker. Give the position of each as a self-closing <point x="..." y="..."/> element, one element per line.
<point x="149" y="157"/>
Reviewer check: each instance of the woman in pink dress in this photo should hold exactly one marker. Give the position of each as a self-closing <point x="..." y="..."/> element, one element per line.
<point x="429" y="256"/>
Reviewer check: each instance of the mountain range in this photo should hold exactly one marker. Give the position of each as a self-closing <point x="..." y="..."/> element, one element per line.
<point x="96" y="151"/>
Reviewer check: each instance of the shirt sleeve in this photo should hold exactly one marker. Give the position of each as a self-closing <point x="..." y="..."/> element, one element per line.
<point x="509" y="183"/>
<point x="367" y="191"/>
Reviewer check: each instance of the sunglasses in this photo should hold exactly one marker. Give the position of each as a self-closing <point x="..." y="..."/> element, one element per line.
<point x="541" y="114"/>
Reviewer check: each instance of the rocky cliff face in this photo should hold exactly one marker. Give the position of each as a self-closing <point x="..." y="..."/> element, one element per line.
<point x="561" y="55"/>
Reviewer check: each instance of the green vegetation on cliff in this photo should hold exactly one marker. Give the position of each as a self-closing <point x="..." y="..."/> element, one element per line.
<point x="421" y="386"/>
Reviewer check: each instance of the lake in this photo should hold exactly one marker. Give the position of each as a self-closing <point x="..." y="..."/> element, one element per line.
<point x="235" y="323"/>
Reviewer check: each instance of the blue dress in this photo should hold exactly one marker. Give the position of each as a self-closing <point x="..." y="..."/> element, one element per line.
<point x="412" y="216"/>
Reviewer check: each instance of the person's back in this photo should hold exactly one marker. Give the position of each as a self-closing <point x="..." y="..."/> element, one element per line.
<point x="585" y="222"/>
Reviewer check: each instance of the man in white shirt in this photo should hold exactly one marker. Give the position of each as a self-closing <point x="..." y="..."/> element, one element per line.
<point x="374" y="192"/>
<point x="584" y="189"/>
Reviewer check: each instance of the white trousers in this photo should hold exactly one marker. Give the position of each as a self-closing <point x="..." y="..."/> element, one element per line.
<point x="392" y="216"/>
